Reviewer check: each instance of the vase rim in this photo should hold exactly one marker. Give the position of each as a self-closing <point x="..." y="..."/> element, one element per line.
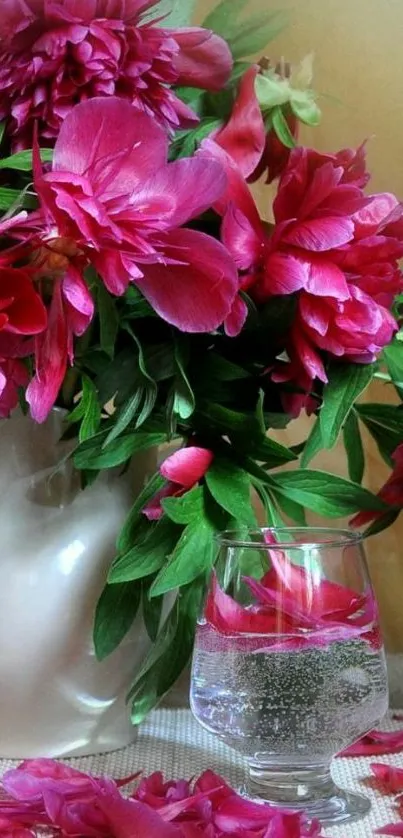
<point x="309" y="538"/>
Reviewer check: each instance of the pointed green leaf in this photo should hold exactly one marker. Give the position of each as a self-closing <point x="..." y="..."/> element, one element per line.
<point x="249" y="34"/>
<point x="16" y="200"/>
<point x="393" y="355"/>
<point x="89" y="455"/>
<point x="152" y="612"/>
<point x="22" y="160"/>
<point x="187" y="508"/>
<point x="346" y="383"/>
<point x="174" y="13"/>
<point x="281" y="128"/>
<point x="184" y="399"/>
<point x="305" y="107"/>
<point x="313" y="445"/>
<point x="170" y="654"/>
<point x="92" y="410"/>
<point x="108" y="319"/>
<point x="128" y="533"/>
<point x="148" y="555"/>
<point x="231" y="488"/>
<point x="271" y="91"/>
<point x="354" y="448"/>
<point x="114" y="616"/>
<point x="194" y="554"/>
<point x="382" y="523"/>
<point x="324" y="493"/>
<point x="124" y="415"/>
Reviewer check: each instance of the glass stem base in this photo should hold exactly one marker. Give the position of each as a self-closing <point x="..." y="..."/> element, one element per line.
<point x="310" y="789"/>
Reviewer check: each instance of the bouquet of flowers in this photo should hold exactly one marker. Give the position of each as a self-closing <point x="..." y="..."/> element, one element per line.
<point x="141" y="289"/>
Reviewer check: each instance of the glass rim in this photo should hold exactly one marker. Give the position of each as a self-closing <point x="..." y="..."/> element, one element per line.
<point x="338" y="538"/>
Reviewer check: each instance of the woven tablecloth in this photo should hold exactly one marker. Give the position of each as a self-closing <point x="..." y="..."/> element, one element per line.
<point x="173" y="742"/>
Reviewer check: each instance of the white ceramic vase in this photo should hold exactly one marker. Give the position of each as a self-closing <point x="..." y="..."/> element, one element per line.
<point x="56" y="545"/>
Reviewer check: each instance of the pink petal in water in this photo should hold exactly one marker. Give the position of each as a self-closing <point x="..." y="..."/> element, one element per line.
<point x="374" y="743"/>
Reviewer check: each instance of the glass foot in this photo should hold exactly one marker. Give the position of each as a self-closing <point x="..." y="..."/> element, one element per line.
<point x="311" y="792"/>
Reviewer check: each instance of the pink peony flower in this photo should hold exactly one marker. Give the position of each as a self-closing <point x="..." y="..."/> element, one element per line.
<point x="275" y="154"/>
<point x="391" y="492"/>
<point x="336" y="249"/>
<point x="55" y="53"/>
<point x="182" y="470"/>
<point x="113" y="201"/>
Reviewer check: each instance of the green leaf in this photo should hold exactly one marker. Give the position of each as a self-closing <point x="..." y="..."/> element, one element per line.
<point x="152" y="612"/>
<point x="22" y="160"/>
<point x="385" y="424"/>
<point x="324" y="493"/>
<point x="2" y="130"/>
<point x="187" y="508"/>
<point x="120" y="377"/>
<point x="91" y="410"/>
<point x="108" y="319"/>
<point x="292" y="510"/>
<point x="354" y="448"/>
<point x="114" y="616"/>
<point x="184" y="399"/>
<point x="128" y="533"/>
<point x="248" y="35"/>
<point x="313" y="445"/>
<point x="382" y="523"/>
<point x="186" y="143"/>
<point x="393" y="355"/>
<point x="231" y="489"/>
<point x="124" y="415"/>
<point x="151" y="389"/>
<point x="89" y="455"/>
<point x="175" y="13"/>
<point x="346" y="383"/>
<point x="16" y="199"/>
<point x="388" y="416"/>
<point x="281" y="128"/>
<point x="214" y="366"/>
<point x="194" y="554"/>
<point x="271" y="91"/>
<point x="305" y="108"/>
<point x="169" y="655"/>
<point x="148" y="555"/>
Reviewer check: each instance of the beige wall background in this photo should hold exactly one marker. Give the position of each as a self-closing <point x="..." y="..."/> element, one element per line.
<point x="358" y="47"/>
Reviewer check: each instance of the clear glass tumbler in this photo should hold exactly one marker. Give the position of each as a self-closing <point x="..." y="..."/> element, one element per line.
<point x="288" y="666"/>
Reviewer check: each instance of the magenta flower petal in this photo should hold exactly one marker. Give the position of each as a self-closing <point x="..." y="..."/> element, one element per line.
<point x="319" y="234"/>
<point x="237" y="191"/>
<point x="105" y="141"/>
<point x="172" y="182"/>
<point x="197" y="293"/>
<point x="390" y="778"/>
<point x="236" y="319"/>
<point x="376" y="742"/>
<point x="131" y="819"/>
<point x="204" y="59"/>
<point x="391" y="829"/>
<point x="187" y="466"/>
<point x="51" y="351"/>
<point x="244" y="135"/>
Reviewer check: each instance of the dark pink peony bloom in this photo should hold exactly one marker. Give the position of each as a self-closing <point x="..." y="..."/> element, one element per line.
<point x="56" y="53"/>
<point x="113" y="201"/>
<point x="113" y="195"/>
<point x="331" y="245"/>
<point x="182" y="470"/>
